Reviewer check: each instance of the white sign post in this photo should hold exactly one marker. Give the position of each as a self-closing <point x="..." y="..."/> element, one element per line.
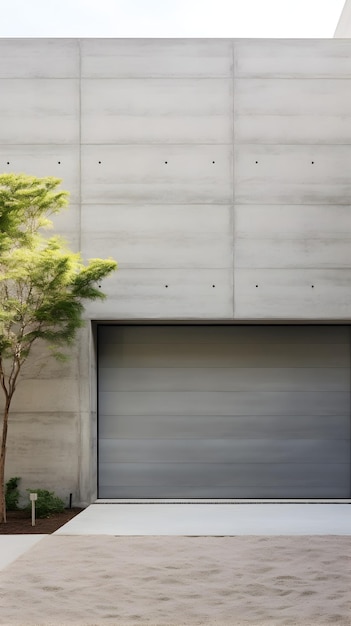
<point x="33" y="497"/>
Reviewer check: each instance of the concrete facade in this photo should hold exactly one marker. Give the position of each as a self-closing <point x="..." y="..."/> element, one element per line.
<point x="343" y="28"/>
<point x="216" y="172"/>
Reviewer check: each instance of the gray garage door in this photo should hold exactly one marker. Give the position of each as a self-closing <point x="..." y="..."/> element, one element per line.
<point x="224" y="411"/>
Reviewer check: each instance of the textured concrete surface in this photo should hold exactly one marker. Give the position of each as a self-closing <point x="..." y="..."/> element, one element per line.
<point x="194" y="129"/>
<point x="14" y="546"/>
<point x="343" y="28"/>
<point x="211" y="519"/>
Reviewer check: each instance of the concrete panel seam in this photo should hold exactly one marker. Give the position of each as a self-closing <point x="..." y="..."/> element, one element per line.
<point x="159" y="143"/>
<point x="306" y="78"/>
<point x="80" y="434"/>
<point x="233" y="175"/>
<point x="80" y="144"/>
<point x="154" y="78"/>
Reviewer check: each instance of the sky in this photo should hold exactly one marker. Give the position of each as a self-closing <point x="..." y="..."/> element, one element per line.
<point x="169" y="18"/>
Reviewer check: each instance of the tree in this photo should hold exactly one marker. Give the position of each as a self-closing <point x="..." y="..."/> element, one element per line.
<point x="43" y="285"/>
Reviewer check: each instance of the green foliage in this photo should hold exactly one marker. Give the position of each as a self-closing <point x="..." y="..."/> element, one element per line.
<point x="25" y="204"/>
<point x="12" y="493"/>
<point x="42" y="292"/>
<point x="47" y="503"/>
<point x="42" y="283"/>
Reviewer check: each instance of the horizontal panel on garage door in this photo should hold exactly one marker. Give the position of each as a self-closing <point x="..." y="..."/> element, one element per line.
<point x="118" y="379"/>
<point x="225" y="451"/>
<point x="223" y="403"/>
<point x="222" y="480"/>
<point x="221" y="355"/>
<point x="264" y="414"/>
<point x="223" y="426"/>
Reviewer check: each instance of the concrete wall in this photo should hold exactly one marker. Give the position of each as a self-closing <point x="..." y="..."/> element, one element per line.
<point x="343" y="29"/>
<point x="216" y="172"/>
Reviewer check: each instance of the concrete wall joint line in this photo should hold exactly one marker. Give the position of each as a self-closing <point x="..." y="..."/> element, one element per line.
<point x="233" y="175"/>
<point x="80" y="416"/>
<point x="310" y="78"/>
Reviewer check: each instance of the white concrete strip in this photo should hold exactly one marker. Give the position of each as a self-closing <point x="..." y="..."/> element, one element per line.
<point x="211" y="519"/>
<point x="13" y="546"/>
<point x="222" y="501"/>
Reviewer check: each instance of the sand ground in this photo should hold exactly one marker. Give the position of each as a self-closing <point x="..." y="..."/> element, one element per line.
<point x="104" y="580"/>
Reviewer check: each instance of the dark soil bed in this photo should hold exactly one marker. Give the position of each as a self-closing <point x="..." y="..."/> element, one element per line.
<point x="19" y="523"/>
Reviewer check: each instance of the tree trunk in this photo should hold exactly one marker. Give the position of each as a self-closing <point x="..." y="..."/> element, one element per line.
<point x="2" y="462"/>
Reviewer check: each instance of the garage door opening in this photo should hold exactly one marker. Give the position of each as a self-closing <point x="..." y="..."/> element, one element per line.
<point x="223" y="412"/>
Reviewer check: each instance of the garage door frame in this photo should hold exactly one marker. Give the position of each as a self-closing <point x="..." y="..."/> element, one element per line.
<point x="201" y="500"/>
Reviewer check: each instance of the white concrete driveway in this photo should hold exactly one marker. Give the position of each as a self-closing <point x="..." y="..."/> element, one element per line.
<point x="13" y="546"/>
<point x="211" y="519"/>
